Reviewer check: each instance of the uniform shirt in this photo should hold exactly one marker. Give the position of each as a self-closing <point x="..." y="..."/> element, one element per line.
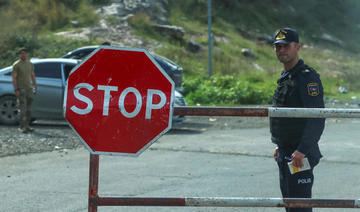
<point x="307" y="93"/>
<point x="24" y="70"/>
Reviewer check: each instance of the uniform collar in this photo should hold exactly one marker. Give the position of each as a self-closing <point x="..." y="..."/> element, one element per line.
<point x="298" y="65"/>
<point x="23" y="61"/>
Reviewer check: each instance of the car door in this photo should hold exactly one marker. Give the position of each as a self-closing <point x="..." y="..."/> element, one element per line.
<point x="48" y="100"/>
<point x="66" y="69"/>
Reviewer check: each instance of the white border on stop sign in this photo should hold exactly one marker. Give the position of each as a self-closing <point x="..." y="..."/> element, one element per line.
<point x="171" y="100"/>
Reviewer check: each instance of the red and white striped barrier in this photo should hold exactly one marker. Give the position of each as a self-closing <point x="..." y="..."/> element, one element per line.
<point x="270" y="112"/>
<point x="229" y="202"/>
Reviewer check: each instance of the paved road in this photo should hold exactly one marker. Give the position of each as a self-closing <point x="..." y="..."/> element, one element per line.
<point x="187" y="162"/>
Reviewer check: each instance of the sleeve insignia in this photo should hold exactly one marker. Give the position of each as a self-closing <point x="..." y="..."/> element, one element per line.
<point x="313" y="89"/>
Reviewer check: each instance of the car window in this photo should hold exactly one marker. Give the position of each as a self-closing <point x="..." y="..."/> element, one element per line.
<point x="67" y="69"/>
<point x="48" y="70"/>
<point x="79" y="55"/>
<point x="7" y="69"/>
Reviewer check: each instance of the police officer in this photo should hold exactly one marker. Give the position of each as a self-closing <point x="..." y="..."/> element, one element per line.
<point x="296" y="138"/>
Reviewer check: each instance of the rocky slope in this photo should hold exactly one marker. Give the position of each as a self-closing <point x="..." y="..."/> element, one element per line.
<point x="114" y="27"/>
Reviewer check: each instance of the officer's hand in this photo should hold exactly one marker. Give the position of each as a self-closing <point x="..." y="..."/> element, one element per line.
<point x="297" y="158"/>
<point x="275" y="153"/>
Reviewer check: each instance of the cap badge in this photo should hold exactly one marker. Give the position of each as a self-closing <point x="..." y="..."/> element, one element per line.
<point x="281" y="34"/>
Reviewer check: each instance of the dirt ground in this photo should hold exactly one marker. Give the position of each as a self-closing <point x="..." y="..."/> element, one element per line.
<point x="58" y="136"/>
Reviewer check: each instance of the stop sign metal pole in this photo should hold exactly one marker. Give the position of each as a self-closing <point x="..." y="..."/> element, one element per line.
<point x="93" y="183"/>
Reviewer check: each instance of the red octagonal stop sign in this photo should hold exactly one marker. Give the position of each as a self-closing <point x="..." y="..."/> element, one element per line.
<point x="119" y="101"/>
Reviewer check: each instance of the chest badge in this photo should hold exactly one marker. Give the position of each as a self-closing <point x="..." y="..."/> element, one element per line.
<point x="313" y="89"/>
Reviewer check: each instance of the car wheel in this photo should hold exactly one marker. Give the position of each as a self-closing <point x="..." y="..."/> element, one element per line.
<point x="8" y="110"/>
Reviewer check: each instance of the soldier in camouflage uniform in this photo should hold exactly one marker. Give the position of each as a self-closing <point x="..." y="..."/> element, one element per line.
<point x="23" y="74"/>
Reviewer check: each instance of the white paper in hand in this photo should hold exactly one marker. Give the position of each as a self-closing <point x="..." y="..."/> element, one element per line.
<point x="294" y="169"/>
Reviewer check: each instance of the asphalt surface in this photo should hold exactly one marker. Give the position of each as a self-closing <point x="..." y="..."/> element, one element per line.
<point x="202" y="158"/>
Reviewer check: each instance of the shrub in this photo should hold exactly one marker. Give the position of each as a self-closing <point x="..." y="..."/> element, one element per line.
<point x="227" y="90"/>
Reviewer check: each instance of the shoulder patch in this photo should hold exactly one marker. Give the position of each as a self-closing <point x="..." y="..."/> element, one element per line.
<point x="306" y="71"/>
<point x="313" y="89"/>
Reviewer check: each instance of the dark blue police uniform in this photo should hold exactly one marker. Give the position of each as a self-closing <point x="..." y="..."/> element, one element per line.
<point x="299" y="87"/>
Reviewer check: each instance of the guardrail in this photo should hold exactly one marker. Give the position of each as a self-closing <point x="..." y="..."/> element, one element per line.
<point x="270" y="112"/>
<point x="95" y="200"/>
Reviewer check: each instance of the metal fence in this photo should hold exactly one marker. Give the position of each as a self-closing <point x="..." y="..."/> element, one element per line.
<point x="95" y="200"/>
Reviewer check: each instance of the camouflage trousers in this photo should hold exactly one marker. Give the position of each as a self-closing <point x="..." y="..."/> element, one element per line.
<point x="24" y="107"/>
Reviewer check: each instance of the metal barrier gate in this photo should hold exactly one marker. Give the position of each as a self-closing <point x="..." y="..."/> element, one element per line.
<point x="95" y="200"/>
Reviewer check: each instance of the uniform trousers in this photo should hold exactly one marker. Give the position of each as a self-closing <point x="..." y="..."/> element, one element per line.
<point x="24" y="106"/>
<point x="296" y="185"/>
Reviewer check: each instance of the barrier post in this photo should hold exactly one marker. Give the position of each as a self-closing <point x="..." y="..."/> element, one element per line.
<point x="93" y="183"/>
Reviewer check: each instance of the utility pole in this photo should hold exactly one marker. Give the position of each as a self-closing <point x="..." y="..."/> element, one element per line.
<point x="209" y="38"/>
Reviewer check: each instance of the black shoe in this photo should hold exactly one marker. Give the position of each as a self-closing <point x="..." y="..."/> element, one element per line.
<point x="22" y="130"/>
<point x="29" y="129"/>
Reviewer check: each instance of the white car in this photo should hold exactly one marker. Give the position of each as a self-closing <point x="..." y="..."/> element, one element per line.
<point x="51" y="76"/>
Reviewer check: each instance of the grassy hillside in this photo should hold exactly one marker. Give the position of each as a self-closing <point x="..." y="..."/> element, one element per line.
<point x="32" y="23"/>
<point x="338" y="18"/>
<point x="236" y="25"/>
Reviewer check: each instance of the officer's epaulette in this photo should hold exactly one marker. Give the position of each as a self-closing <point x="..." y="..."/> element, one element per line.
<point x="307" y="69"/>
